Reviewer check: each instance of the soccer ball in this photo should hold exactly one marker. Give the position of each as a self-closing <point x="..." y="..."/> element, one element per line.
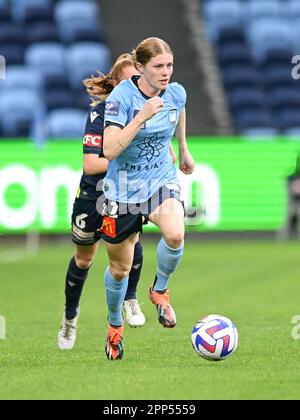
<point x="215" y="337"/>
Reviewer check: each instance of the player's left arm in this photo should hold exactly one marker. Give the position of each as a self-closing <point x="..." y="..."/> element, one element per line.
<point x="186" y="161"/>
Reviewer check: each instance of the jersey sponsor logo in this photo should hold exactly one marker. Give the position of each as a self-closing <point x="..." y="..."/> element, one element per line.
<point x="112" y="108"/>
<point x="151" y="147"/>
<point x="93" y="140"/>
<point x="94" y="115"/>
<point x="109" y="227"/>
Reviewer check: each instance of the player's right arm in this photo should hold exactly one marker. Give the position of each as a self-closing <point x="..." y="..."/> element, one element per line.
<point x="118" y="135"/>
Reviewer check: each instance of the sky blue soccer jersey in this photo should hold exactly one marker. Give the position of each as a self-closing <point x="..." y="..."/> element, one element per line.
<point x="146" y="164"/>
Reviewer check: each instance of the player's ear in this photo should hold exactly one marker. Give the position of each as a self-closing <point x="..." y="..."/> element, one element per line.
<point x="140" y="67"/>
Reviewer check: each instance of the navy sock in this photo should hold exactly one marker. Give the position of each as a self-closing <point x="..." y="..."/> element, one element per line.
<point x="75" y="280"/>
<point x="135" y="272"/>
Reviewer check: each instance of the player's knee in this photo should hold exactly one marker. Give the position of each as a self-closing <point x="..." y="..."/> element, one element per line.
<point x="119" y="272"/>
<point x="174" y="239"/>
<point x="83" y="261"/>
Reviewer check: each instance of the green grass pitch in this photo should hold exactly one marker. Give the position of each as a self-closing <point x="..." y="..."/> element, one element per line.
<point x="256" y="284"/>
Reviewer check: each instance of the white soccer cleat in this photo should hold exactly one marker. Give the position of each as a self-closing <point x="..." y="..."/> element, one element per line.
<point x="133" y="314"/>
<point x="67" y="333"/>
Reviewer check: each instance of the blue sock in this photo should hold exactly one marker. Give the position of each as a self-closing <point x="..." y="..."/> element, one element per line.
<point x="168" y="261"/>
<point x="115" y="294"/>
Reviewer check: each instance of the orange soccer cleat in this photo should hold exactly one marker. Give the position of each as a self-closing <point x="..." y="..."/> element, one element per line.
<point x="166" y="314"/>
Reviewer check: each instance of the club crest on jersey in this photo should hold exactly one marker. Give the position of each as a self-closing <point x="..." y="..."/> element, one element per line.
<point x="173" y="116"/>
<point x="135" y="112"/>
<point x="112" y="108"/>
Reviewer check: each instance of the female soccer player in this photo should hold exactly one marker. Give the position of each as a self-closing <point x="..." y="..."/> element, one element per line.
<point x="141" y="183"/>
<point x="86" y="221"/>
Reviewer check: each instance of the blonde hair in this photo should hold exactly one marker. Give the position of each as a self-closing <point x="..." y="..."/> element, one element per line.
<point x="149" y="48"/>
<point x="99" y="87"/>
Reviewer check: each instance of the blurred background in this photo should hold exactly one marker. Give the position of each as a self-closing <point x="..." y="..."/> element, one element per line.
<point x="239" y="62"/>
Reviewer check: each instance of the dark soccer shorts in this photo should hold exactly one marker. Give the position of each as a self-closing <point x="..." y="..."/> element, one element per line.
<point x="121" y="220"/>
<point x="86" y="222"/>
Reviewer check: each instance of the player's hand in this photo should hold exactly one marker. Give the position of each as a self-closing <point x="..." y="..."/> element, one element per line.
<point x="152" y="107"/>
<point x="186" y="163"/>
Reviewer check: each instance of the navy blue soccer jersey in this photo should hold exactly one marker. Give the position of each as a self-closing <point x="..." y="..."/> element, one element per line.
<point x="93" y="144"/>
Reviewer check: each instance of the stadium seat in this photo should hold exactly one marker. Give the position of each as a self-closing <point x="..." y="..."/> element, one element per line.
<point x="85" y="59"/>
<point x="13" y="53"/>
<point x="222" y="14"/>
<point x="12" y="34"/>
<point x="287" y="118"/>
<point x="47" y="57"/>
<point x="278" y="57"/>
<point x="19" y="109"/>
<point x="295" y="33"/>
<point x="22" y="77"/>
<point x="263" y="8"/>
<point x="42" y="32"/>
<point x="82" y="101"/>
<point x="241" y="76"/>
<point x="86" y="35"/>
<point x="293" y="8"/>
<point x="231" y="35"/>
<point x="56" y="81"/>
<point x="269" y="34"/>
<point x="74" y="15"/>
<point x="277" y="75"/>
<point x="243" y="99"/>
<point x="39" y="13"/>
<point x="59" y="98"/>
<point x="284" y="97"/>
<point x="257" y="118"/>
<point x="66" y="123"/>
<point x="216" y="9"/>
<point x="234" y="53"/>
<point x="19" y="7"/>
<point x="5" y="14"/>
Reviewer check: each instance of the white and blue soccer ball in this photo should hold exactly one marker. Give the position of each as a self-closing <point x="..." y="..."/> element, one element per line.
<point x="215" y="337"/>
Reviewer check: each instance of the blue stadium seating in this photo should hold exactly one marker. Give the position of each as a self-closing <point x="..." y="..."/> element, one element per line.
<point x="234" y="53"/>
<point x="59" y="98"/>
<point x="42" y="32"/>
<point x="264" y="8"/>
<point x="83" y="58"/>
<point x="268" y="34"/>
<point x="43" y="42"/>
<point x="22" y="77"/>
<point x="222" y="14"/>
<point x="72" y="16"/>
<point x="18" y="116"/>
<point x="245" y="98"/>
<point x="270" y="31"/>
<point x="66" y="123"/>
<point x="13" y="53"/>
<point x="241" y="76"/>
<point x="19" y="7"/>
<point x="293" y="8"/>
<point x="49" y="58"/>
